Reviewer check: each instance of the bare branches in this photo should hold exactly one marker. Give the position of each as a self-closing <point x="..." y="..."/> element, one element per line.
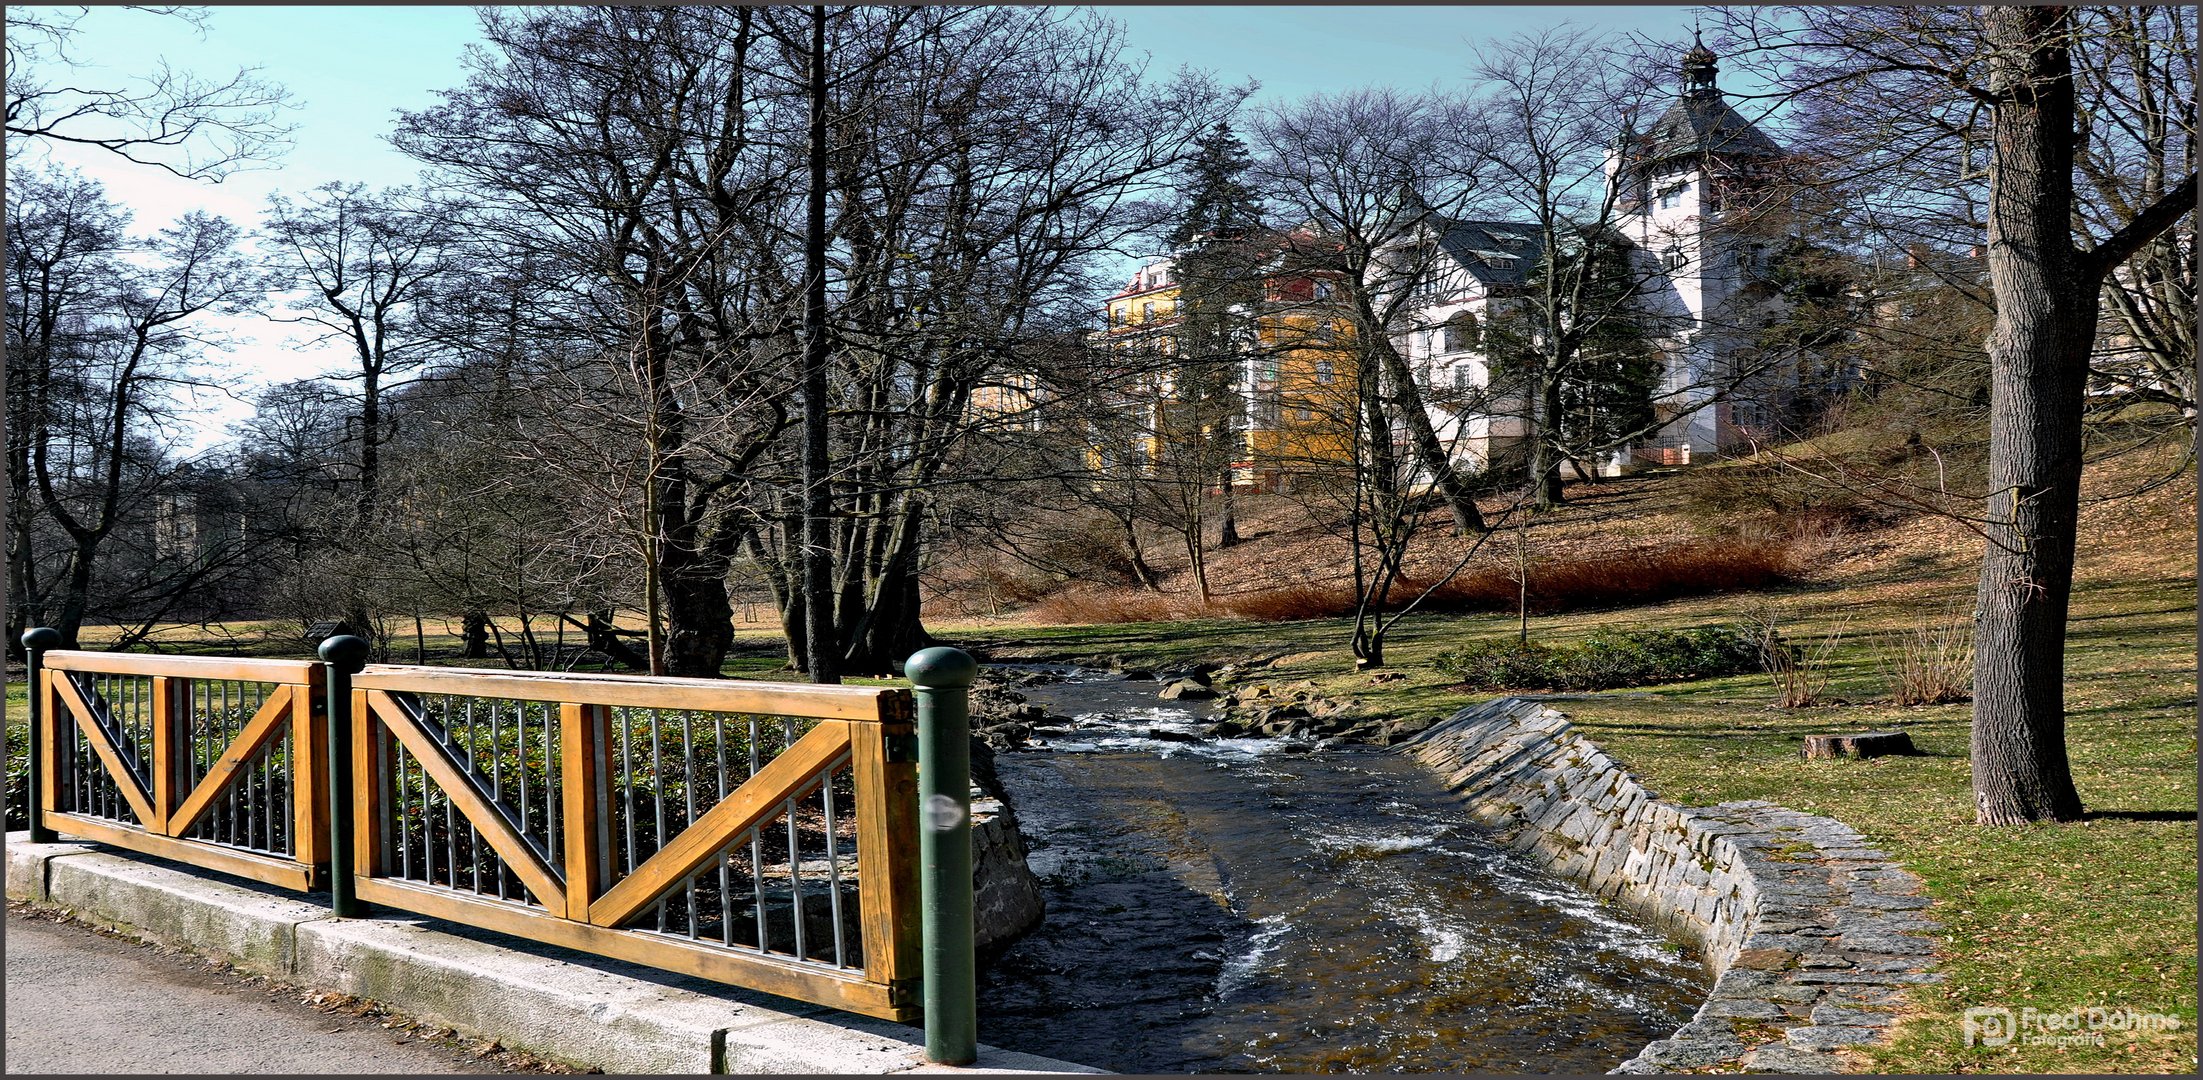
<point x="190" y="125"/>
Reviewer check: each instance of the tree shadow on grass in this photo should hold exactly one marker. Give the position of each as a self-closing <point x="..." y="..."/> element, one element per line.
<point x="2139" y="815"/>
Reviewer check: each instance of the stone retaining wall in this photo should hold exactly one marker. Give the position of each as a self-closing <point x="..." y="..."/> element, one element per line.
<point x="1808" y="931"/>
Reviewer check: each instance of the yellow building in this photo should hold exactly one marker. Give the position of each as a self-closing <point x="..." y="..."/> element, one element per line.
<point x="1293" y="391"/>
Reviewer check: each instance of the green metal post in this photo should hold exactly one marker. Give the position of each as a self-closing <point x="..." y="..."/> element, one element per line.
<point x="941" y="681"/>
<point x="344" y="655"/>
<point x="36" y="641"/>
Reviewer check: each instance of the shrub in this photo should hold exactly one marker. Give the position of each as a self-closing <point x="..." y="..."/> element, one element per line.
<point x="1933" y="662"/>
<point x="1608" y="659"/>
<point x="1290" y="602"/>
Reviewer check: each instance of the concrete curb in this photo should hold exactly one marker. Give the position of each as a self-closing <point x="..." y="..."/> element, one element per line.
<point x="1810" y="933"/>
<point x="551" y="1002"/>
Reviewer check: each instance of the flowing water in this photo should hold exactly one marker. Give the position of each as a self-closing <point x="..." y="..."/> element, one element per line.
<point x="1227" y="906"/>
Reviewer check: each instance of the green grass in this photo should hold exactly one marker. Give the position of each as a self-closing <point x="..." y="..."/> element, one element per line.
<point x="2055" y="916"/>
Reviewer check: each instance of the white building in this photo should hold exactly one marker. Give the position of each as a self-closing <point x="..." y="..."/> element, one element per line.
<point x="1684" y="186"/>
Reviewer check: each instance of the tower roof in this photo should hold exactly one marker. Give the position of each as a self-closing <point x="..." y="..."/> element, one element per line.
<point x="1701" y="120"/>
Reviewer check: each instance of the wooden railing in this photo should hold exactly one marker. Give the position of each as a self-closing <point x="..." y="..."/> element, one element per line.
<point x="763" y="835"/>
<point x="744" y="833"/>
<point x="213" y="762"/>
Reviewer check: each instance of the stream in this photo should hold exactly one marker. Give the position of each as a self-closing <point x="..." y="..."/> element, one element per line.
<point x="1225" y="906"/>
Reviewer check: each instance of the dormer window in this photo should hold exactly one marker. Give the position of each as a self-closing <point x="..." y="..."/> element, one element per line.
<point x="1674" y="260"/>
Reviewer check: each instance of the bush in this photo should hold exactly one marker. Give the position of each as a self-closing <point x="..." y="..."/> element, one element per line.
<point x="1933" y="662"/>
<point x="1609" y="659"/>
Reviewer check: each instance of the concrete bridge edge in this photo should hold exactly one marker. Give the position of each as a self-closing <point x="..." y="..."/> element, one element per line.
<point x="584" y="1010"/>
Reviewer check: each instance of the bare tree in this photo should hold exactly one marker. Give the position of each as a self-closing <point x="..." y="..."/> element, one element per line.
<point x="1371" y="173"/>
<point x="103" y="330"/>
<point x="1994" y="89"/>
<point x="190" y="125"/>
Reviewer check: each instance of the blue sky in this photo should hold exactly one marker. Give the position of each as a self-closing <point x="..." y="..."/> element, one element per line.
<point x="350" y="68"/>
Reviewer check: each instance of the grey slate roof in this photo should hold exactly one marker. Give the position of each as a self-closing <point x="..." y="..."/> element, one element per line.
<point x="1703" y="123"/>
<point x="1475" y="243"/>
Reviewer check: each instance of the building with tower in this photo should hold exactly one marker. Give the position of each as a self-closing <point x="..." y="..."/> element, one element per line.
<point x="1691" y="196"/>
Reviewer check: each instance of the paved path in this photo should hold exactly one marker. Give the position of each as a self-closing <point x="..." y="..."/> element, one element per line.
<point x="83" y="1002"/>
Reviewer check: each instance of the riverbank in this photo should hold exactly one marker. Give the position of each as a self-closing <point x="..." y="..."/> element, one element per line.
<point x="2095" y="913"/>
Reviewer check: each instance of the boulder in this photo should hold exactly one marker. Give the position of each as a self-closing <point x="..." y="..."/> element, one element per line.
<point x="1167" y="735"/>
<point x="1006" y="897"/>
<point x="1186" y="689"/>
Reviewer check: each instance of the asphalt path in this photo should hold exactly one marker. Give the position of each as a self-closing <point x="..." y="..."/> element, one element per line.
<point x="79" y="1001"/>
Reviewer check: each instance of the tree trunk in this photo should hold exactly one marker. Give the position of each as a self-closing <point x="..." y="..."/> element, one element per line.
<point x="818" y="542"/>
<point x="1545" y="453"/>
<point x="1423" y="443"/>
<point x="1227" y="531"/>
<point x="2046" y="310"/>
<point x="474" y="635"/>
<point x="699" y="620"/>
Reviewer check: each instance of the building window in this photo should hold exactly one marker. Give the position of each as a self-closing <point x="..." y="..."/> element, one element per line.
<point x="1674" y="259"/>
<point x="1147" y="311"/>
<point x="1463" y="380"/>
<point x="1673" y="197"/>
<point x="1304" y="414"/>
<point x="1323" y="290"/>
<point x="1324" y="371"/>
<point x="1461" y="332"/>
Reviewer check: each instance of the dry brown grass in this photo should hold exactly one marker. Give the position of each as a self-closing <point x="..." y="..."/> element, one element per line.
<point x="1557" y="583"/>
<point x="1104" y="605"/>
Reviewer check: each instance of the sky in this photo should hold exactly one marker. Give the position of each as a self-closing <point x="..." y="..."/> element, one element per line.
<point x="349" y="69"/>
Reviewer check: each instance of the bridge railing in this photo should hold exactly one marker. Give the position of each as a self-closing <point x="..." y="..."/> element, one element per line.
<point x="759" y="834"/>
<point x="754" y="834"/>
<point x="212" y="762"/>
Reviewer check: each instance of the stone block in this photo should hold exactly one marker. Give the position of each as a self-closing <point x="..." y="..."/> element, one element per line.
<point x="255" y="930"/>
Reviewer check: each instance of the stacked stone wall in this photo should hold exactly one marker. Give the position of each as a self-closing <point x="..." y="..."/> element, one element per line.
<point x="1808" y="931"/>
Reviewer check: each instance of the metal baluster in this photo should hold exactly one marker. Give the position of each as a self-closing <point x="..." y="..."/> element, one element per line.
<point x="451" y="812"/>
<point x="497" y="783"/>
<point x="833" y="865"/>
<point x="795" y="878"/>
<point x="267" y="779"/>
<point x="726" y="901"/>
<point x="551" y="782"/>
<point x="627" y="782"/>
<point x="405" y="817"/>
<point x="474" y="831"/>
<point x="688" y="792"/>
<point x="757" y="854"/>
<point x="657" y="795"/>
<point x="229" y="798"/>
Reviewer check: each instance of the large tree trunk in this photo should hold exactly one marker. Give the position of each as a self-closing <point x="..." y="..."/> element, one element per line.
<point x="1423" y="441"/>
<point x="474" y="635"/>
<point x="2046" y="310"/>
<point x="822" y="650"/>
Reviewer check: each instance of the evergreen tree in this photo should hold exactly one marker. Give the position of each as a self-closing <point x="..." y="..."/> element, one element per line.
<point x="1218" y="237"/>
